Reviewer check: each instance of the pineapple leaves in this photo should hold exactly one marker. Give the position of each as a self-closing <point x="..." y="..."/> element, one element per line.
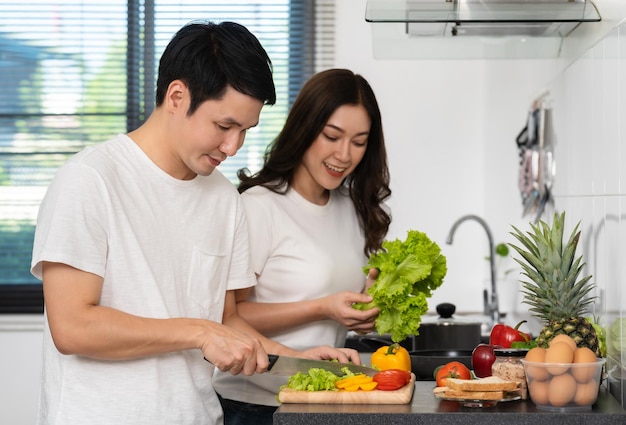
<point x="552" y="287"/>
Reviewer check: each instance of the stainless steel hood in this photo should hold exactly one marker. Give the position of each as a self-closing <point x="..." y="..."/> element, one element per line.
<point x="489" y="22"/>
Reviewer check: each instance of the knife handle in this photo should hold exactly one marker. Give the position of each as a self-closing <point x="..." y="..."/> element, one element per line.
<point x="272" y="358"/>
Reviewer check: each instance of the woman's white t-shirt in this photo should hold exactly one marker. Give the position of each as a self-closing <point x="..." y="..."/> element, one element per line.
<point x="299" y="251"/>
<point x="164" y="248"/>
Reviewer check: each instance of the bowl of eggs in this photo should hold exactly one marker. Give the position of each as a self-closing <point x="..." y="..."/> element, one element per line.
<point x="563" y="377"/>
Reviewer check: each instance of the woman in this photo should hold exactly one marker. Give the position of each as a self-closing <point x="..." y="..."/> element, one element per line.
<point x="315" y="212"/>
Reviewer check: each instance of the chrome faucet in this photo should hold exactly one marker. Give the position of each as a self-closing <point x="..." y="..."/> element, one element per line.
<point x="491" y="307"/>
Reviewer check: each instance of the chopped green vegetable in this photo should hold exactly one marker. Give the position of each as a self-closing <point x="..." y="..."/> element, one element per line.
<point x="409" y="272"/>
<point x="316" y="380"/>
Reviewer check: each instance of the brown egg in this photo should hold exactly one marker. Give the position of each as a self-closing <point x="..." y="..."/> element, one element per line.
<point x="584" y="355"/>
<point x="561" y="390"/>
<point x="559" y="352"/>
<point x="587" y="393"/>
<point x="536" y="355"/>
<point x="581" y="372"/>
<point x="564" y="338"/>
<point x="538" y="391"/>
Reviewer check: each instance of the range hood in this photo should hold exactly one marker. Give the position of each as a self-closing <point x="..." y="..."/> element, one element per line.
<point x="481" y="28"/>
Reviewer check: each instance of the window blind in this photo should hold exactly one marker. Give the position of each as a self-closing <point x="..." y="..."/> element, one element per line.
<point x="78" y="72"/>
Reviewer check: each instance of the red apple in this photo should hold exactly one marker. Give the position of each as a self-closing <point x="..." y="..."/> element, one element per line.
<point x="482" y="359"/>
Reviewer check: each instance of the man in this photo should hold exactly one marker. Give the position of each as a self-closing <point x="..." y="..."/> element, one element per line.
<point x="140" y="244"/>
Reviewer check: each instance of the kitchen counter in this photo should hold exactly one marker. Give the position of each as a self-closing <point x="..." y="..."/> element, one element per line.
<point x="426" y="409"/>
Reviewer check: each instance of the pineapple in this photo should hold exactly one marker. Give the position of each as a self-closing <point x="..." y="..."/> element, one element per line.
<point x="553" y="291"/>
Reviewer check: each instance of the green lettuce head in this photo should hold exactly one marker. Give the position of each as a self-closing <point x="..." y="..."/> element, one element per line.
<point x="408" y="273"/>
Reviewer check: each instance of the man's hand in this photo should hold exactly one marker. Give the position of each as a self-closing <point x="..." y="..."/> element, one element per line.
<point x="233" y="351"/>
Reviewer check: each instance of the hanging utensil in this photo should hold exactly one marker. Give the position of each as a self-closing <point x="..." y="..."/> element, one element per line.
<point x="537" y="170"/>
<point x="546" y="166"/>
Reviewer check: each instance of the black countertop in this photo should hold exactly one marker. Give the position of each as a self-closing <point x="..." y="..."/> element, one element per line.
<point x="426" y="409"/>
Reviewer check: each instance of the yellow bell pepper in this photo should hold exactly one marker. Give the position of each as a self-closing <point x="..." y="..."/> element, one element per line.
<point x="393" y="356"/>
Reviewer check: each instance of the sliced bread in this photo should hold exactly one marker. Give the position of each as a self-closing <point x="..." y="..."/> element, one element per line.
<point x="491" y="383"/>
<point x="474" y="395"/>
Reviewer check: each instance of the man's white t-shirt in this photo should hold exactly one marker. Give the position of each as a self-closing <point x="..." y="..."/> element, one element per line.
<point x="299" y="251"/>
<point x="165" y="248"/>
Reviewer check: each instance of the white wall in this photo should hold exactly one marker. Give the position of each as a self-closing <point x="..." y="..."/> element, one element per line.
<point x="20" y="368"/>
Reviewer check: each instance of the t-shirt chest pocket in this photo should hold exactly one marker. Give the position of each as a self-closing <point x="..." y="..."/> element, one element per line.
<point x="206" y="284"/>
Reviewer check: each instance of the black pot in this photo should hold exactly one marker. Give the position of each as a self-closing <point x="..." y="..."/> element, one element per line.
<point x="447" y="332"/>
<point x="424" y="362"/>
<point x="372" y="342"/>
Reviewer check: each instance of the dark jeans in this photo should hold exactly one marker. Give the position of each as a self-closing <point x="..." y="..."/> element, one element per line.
<point x="240" y="413"/>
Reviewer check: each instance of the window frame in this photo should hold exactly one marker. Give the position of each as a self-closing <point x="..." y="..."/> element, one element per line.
<point x="28" y="298"/>
<point x="23" y="298"/>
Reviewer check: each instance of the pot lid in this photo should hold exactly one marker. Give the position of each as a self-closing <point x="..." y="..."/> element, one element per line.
<point x="446" y="317"/>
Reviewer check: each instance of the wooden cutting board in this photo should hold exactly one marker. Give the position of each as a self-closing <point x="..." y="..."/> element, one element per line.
<point x="399" y="396"/>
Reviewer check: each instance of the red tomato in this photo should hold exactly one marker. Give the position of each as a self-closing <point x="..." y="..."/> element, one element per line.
<point x="392" y="379"/>
<point x="452" y="370"/>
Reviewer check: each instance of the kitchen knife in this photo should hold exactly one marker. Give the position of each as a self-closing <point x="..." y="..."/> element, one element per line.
<point x="281" y="365"/>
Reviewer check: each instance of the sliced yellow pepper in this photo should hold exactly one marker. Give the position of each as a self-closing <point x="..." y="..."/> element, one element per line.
<point x="357" y="382"/>
<point x="369" y="386"/>
<point x="393" y="356"/>
<point x="353" y="380"/>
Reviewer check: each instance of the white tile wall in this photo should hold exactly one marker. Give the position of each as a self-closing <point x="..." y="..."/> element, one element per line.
<point x="589" y="104"/>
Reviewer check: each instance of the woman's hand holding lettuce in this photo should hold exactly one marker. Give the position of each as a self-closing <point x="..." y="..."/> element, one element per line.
<point x="409" y="272"/>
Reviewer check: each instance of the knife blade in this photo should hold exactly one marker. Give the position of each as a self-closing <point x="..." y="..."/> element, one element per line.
<point x="281" y="365"/>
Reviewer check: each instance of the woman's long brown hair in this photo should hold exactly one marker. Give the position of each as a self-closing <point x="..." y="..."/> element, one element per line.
<point x="368" y="184"/>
